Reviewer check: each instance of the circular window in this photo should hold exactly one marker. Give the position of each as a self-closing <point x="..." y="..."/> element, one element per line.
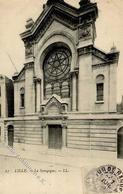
<point x="57" y="65"/>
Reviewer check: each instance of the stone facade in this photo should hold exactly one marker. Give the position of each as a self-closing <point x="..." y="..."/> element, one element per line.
<point x="65" y="95"/>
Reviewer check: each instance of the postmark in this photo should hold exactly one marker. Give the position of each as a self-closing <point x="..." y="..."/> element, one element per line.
<point x="105" y="179"/>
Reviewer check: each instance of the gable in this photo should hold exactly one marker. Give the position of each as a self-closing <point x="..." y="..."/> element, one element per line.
<point x="55" y="105"/>
<point x="60" y="11"/>
<point x="54" y="100"/>
<point x="46" y="18"/>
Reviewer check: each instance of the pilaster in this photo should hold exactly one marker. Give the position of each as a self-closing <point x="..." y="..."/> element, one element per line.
<point x="38" y="93"/>
<point x="74" y="90"/>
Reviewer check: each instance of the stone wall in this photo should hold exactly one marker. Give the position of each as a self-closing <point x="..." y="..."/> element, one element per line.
<point x="28" y="132"/>
<point x="92" y="135"/>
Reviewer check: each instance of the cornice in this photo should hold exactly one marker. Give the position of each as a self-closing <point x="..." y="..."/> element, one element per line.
<point x="53" y="117"/>
<point x="111" y="57"/>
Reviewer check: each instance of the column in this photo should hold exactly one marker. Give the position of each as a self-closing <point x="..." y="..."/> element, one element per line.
<point x="64" y="134"/>
<point x="45" y="132"/>
<point x="38" y="94"/>
<point x="44" y="135"/>
<point x="74" y="91"/>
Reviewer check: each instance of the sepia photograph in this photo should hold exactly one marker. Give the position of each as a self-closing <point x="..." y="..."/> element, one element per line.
<point x="61" y="96"/>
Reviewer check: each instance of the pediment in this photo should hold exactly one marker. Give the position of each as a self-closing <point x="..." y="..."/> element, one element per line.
<point x="63" y="13"/>
<point x="54" y="106"/>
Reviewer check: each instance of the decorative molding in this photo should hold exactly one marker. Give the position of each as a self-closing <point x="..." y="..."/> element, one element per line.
<point x="75" y="72"/>
<point x="85" y="32"/>
<point x="53" y="120"/>
<point x="43" y="123"/>
<point x="54" y="14"/>
<point x="29" y="65"/>
<point x="29" y="49"/>
<point x="59" y="106"/>
<point x="36" y="80"/>
<point x="55" y="17"/>
<point x="64" y="123"/>
<point x="50" y="117"/>
<point x="63" y="34"/>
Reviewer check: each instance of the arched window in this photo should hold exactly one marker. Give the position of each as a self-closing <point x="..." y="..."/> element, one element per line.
<point x="56" y="89"/>
<point x="100" y="88"/>
<point x="65" y="89"/>
<point x="48" y="90"/>
<point x="22" y="97"/>
<point x="56" y="70"/>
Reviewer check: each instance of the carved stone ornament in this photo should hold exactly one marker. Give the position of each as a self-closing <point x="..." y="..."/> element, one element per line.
<point x="28" y="50"/>
<point x="54" y="107"/>
<point x="36" y="80"/>
<point x="85" y="32"/>
<point x="64" y="125"/>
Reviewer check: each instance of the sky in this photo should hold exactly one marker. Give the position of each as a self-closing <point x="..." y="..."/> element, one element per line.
<point x="13" y="16"/>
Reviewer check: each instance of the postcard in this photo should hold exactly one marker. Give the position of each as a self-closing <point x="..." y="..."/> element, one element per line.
<point x="61" y="97"/>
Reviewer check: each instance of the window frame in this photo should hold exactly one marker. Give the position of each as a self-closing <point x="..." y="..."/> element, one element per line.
<point x="22" y="98"/>
<point x="100" y="92"/>
<point x="59" y="79"/>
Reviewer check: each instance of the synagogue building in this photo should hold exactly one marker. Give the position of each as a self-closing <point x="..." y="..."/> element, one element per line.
<point x="65" y="94"/>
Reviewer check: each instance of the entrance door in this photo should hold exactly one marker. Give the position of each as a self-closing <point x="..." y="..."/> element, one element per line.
<point x="55" y="137"/>
<point x="120" y="143"/>
<point x="10" y="136"/>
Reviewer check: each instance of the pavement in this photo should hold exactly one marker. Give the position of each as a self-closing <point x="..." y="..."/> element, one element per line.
<point x="65" y="157"/>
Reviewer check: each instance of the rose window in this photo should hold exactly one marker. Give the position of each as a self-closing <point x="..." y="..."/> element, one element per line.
<point x="57" y="72"/>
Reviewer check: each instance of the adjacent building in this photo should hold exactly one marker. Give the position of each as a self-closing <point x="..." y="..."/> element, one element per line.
<point x="65" y="95"/>
<point x="6" y="102"/>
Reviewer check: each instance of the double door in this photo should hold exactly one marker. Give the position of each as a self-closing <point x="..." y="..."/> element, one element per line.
<point x="55" y="137"/>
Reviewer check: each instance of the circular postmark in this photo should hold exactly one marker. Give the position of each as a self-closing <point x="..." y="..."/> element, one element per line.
<point x="105" y="179"/>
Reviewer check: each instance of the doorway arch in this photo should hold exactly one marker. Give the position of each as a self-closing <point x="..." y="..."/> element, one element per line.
<point x="120" y="143"/>
<point x="10" y="129"/>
